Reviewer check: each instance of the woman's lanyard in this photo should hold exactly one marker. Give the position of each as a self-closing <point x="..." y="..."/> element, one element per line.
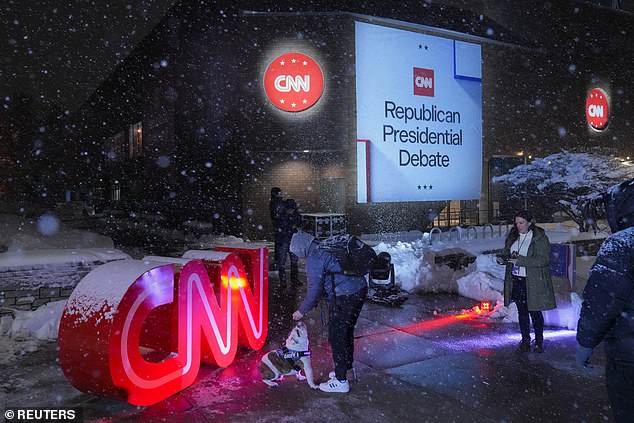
<point x="521" y="242"/>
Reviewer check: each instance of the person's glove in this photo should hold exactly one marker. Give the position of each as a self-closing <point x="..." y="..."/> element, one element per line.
<point x="583" y="356"/>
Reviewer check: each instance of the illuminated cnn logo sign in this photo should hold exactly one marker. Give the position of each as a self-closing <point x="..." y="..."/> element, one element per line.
<point x="597" y="109"/>
<point x="137" y="330"/>
<point x="424" y="82"/>
<point x="293" y="82"/>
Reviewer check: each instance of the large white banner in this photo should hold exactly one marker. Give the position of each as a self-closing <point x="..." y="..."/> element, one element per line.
<point x="419" y="116"/>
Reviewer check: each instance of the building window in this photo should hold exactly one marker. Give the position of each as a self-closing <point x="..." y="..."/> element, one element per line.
<point x="136" y="139"/>
<point x="115" y="193"/>
<point x="114" y="146"/>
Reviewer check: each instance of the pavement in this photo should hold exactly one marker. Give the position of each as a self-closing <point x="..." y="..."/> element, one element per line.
<point x="426" y="361"/>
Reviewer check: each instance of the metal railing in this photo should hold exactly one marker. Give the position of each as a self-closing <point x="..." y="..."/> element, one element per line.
<point x="468" y="217"/>
<point x="431" y="234"/>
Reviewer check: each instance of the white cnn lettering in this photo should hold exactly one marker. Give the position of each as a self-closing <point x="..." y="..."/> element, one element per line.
<point x="286" y="83"/>
<point x="595" y="111"/>
<point x="422" y="82"/>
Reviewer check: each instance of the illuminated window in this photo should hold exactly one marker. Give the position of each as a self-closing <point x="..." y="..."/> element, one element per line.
<point x="135" y="137"/>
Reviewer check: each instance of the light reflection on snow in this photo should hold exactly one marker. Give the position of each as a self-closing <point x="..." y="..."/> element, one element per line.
<point x="501" y="340"/>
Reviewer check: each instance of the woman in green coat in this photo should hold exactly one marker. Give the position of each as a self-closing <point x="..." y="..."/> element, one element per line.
<point x="527" y="281"/>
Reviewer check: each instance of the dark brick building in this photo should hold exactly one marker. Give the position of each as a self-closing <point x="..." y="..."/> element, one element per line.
<point x="184" y="127"/>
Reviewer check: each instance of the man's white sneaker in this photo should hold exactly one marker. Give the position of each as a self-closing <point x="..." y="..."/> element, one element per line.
<point x="352" y="372"/>
<point x="334" y="385"/>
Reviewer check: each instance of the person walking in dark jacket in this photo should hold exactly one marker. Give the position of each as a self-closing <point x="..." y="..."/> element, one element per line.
<point x="607" y="312"/>
<point x="345" y="295"/>
<point x="527" y="280"/>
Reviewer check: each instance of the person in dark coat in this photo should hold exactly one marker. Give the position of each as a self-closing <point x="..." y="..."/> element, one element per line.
<point x="290" y="221"/>
<point x="607" y="312"/>
<point x="276" y="209"/>
<point x="345" y="294"/>
<point x="527" y="280"/>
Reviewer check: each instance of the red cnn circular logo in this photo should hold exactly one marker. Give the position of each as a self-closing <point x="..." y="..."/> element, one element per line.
<point x="293" y="82"/>
<point x="597" y="109"/>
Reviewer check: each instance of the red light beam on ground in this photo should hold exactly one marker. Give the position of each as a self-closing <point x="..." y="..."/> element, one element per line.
<point x="436" y="323"/>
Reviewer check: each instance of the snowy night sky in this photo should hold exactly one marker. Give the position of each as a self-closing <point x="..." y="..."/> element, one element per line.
<point x="60" y="51"/>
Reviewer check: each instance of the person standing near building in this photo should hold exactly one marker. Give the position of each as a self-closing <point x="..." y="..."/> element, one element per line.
<point x="607" y="311"/>
<point x="291" y="220"/>
<point x="276" y="209"/>
<point x="527" y="280"/>
<point x="345" y="295"/>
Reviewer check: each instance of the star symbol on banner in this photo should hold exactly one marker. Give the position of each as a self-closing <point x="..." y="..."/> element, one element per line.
<point x="282" y="63"/>
<point x="293" y="60"/>
<point x="419" y="187"/>
<point x="304" y="63"/>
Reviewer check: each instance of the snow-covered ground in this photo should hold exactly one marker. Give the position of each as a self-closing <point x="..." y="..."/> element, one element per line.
<point x="412" y="254"/>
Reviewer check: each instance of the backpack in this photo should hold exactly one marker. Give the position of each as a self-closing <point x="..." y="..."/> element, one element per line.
<point x="354" y="256"/>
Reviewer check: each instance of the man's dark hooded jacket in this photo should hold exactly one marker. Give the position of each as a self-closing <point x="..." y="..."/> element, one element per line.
<point x="608" y="308"/>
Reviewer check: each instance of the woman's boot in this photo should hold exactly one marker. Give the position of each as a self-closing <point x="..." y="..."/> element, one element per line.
<point x="524" y="346"/>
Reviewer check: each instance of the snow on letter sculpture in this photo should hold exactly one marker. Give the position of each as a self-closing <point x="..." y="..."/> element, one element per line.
<point x="137" y="330"/>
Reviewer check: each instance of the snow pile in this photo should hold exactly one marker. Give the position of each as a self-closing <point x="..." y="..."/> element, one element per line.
<point x="479" y="286"/>
<point x="42" y="323"/>
<point x="25" y="258"/>
<point x="409" y="267"/>
<point x="486" y="283"/>
<point x="44" y="252"/>
<point x="567" y="313"/>
<point x="415" y="269"/>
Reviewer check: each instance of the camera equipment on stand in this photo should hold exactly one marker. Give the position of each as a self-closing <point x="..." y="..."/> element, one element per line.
<point x="387" y="292"/>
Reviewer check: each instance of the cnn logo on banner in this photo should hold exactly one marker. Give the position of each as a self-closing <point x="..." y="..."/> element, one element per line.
<point x="138" y="330"/>
<point x="597" y="109"/>
<point x="293" y="82"/>
<point x="424" y="82"/>
<point x="286" y="83"/>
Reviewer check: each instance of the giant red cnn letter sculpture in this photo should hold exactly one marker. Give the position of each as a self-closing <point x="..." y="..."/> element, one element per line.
<point x="137" y="330"/>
